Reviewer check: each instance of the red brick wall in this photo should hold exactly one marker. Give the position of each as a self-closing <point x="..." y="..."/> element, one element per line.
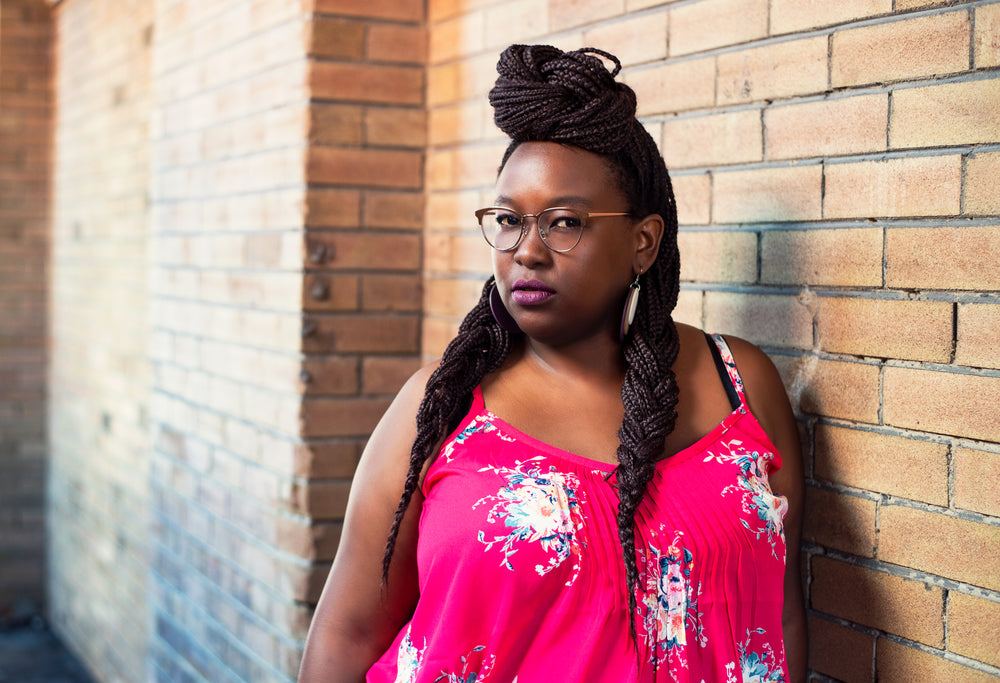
<point x="835" y="166"/>
<point x="25" y="163"/>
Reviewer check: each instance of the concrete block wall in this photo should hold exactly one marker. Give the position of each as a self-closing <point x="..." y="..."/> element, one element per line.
<point x="25" y="163"/>
<point x="835" y="167"/>
<point x="98" y="388"/>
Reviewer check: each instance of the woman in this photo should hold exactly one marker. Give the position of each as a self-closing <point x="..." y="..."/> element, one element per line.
<point x="581" y="489"/>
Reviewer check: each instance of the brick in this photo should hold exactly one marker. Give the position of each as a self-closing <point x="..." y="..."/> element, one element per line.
<point x="366" y="83"/>
<point x="974" y="627"/>
<point x="764" y="319"/>
<point x="986" y="38"/>
<point x="850" y="257"/>
<point x="941" y="402"/>
<point x="394" y="43"/>
<point x="849" y="391"/>
<point x="455" y="254"/>
<point x="915" y="4"/>
<point x="326" y="460"/>
<point x="893" y="188"/>
<point x="332" y="208"/>
<point x="456" y="37"/>
<point x="337" y="38"/>
<point x="385" y="292"/>
<point x="886" y="328"/>
<point x="840" y="652"/>
<point x="943" y="258"/>
<point x="768" y="194"/>
<point x="341" y="416"/>
<point x="378" y="168"/>
<point x="839" y="521"/>
<point x="521" y="20"/>
<point x="454" y="81"/>
<point x="950" y="114"/>
<point x="564" y="14"/>
<point x="789" y="16"/>
<point x="462" y="122"/>
<point x="848" y="125"/>
<point x="883" y="463"/>
<point x="981" y="172"/>
<point x="718" y="256"/>
<point x="911" y="48"/>
<point x="634" y="41"/>
<point x="326" y="375"/>
<point x="714" y="23"/>
<point x="688" y="308"/>
<point x="323" y="500"/>
<point x="673" y="87"/>
<point x="906" y="608"/>
<point x="797" y="67"/>
<point x="477" y="166"/>
<point x="954" y="548"/>
<point x="693" y="194"/>
<point x="395" y="127"/>
<point x="387" y="375"/>
<point x="896" y="663"/>
<point x="324" y="292"/>
<point x="977" y="343"/>
<point x="397" y="210"/>
<point x="363" y="334"/>
<point x="333" y="124"/>
<point x="435" y="335"/>
<point x="713" y="140"/>
<point x="977" y="480"/>
<point x="398" y="10"/>
<point x="448" y="297"/>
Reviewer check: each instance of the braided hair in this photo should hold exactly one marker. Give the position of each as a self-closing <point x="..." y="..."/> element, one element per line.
<point x="545" y="94"/>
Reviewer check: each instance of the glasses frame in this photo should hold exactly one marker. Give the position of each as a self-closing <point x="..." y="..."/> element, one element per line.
<point x="584" y="215"/>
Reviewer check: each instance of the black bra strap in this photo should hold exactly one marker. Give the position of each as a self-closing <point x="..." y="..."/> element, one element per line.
<point x="727" y="382"/>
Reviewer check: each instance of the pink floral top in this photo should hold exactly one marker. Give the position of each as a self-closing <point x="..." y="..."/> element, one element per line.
<point x="521" y="574"/>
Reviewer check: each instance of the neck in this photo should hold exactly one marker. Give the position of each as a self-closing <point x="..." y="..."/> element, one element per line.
<point x="596" y="358"/>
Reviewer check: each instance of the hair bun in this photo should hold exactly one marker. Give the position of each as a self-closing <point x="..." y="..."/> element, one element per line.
<point x="545" y="94"/>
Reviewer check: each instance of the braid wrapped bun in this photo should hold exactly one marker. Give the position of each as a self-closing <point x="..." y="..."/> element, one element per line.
<point x="545" y="94"/>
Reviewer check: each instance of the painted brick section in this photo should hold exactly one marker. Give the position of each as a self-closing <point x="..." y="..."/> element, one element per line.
<point x="26" y="101"/>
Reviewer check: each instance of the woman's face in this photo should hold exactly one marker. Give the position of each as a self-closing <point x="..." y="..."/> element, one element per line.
<point x="559" y="298"/>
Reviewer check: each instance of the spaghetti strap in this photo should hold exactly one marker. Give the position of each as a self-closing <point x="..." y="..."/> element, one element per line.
<point x="735" y="383"/>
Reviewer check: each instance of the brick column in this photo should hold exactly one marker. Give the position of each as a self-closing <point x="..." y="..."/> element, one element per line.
<point x="25" y="172"/>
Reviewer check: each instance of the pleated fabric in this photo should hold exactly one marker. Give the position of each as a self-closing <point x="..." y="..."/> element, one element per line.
<point x="521" y="574"/>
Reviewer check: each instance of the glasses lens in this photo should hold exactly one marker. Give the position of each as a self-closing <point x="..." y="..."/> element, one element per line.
<point x="560" y="228"/>
<point x="501" y="228"/>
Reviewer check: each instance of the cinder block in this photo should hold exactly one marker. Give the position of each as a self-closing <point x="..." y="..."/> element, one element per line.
<point x="947" y="546"/>
<point x="910" y="48"/>
<point x="883" y="463"/>
<point x="906" y="608"/>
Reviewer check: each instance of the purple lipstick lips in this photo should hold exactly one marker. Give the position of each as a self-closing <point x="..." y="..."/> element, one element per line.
<point x="530" y="292"/>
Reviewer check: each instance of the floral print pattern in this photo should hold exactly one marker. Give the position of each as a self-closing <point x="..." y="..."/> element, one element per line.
<point x="539" y="507"/>
<point x="482" y="424"/>
<point x="408" y="660"/>
<point x="466" y="676"/>
<point x="669" y="606"/>
<point x="759" y="503"/>
<point x="756" y="667"/>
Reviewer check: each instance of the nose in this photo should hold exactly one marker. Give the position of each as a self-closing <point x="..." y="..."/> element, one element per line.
<point x="531" y="250"/>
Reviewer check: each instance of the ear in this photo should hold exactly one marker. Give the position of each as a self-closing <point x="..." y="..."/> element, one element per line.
<point x="647" y="233"/>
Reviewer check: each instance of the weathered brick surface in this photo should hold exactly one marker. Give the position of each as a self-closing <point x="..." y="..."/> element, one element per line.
<point x="797" y="67"/>
<point x="760" y="318"/>
<point x="943" y="258"/>
<point x="849" y="125"/>
<point x="718" y="256"/>
<point x="977" y="343"/>
<point x="941" y="402"/>
<point x="902" y="664"/>
<point x="792" y="193"/>
<point x="849" y="391"/>
<point x="950" y="114"/>
<point x="839" y="651"/>
<point x="705" y="25"/>
<point x="947" y="546"/>
<point x="910" y="48"/>
<point x="906" y="608"/>
<point x="882" y="463"/>
<point x="841" y="258"/>
<point x="986" y="39"/>
<point x="790" y="15"/>
<point x="980" y="196"/>
<point x="977" y="480"/>
<point x="730" y="138"/>
<point x="974" y="627"/>
<point x="694" y="198"/>
<point x="893" y="188"/>
<point x="885" y="328"/>
<point x="845" y="523"/>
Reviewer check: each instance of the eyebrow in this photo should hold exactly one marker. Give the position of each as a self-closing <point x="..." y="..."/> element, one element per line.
<point x="565" y="200"/>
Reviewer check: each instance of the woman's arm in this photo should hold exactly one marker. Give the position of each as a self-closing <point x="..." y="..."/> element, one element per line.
<point x="358" y="616"/>
<point x="769" y="403"/>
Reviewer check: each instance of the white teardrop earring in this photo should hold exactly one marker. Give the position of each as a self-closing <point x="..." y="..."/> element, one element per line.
<point x="631" y="304"/>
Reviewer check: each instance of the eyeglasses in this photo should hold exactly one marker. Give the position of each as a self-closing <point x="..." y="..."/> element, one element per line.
<point x="560" y="228"/>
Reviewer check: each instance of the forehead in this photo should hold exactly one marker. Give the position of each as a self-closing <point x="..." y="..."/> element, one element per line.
<point x="543" y="172"/>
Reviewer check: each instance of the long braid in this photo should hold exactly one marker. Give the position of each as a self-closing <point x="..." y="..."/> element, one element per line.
<point x="544" y="94"/>
<point x="478" y="349"/>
